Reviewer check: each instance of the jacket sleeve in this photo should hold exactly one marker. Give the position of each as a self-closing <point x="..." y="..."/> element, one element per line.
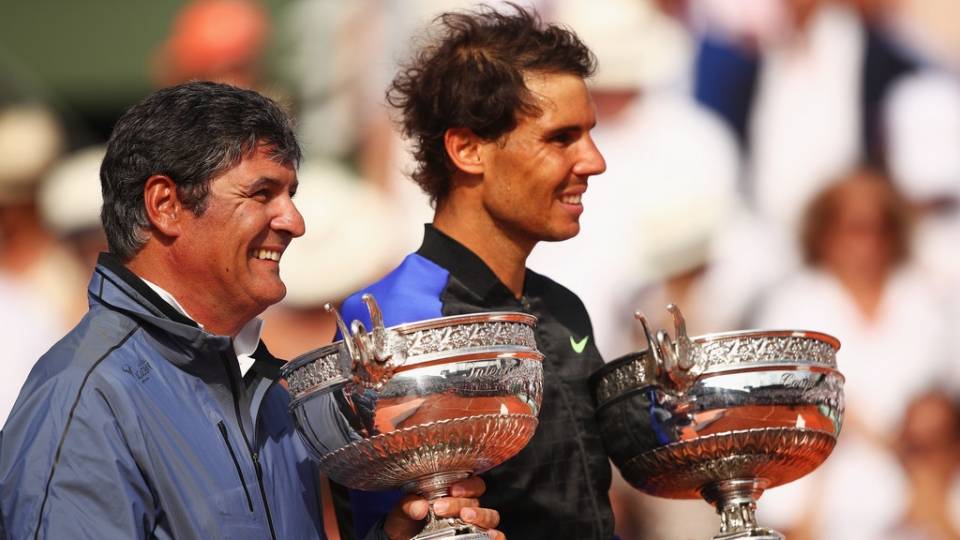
<point x="91" y="487"/>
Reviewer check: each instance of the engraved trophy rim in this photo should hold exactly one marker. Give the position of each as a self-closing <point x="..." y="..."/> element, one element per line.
<point x="758" y="333"/>
<point x="337" y="354"/>
<point x="701" y="340"/>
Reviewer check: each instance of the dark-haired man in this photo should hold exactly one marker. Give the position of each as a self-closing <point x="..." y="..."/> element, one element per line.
<point x="158" y="415"/>
<point x="500" y="117"/>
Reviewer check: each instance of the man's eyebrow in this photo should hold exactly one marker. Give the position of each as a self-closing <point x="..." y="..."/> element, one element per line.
<point x="269" y="182"/>
<point x="570" y="128"/>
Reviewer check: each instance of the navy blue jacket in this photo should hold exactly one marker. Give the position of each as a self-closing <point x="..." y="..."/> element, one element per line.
<point x="138" y="424"/>
<point x="557" y="486"/>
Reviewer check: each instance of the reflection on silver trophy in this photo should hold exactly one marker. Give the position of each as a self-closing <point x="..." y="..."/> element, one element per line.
<point x="420" y="405"/>
<point x="721" y="416"/>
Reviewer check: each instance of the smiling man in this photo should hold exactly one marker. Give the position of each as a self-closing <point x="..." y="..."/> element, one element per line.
<point x="158" y="415"/>
<point x="500" y="118"/>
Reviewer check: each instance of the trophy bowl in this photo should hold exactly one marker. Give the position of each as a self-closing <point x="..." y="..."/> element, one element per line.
<point x="419" y="406"/>
<point x="721" y="416"/>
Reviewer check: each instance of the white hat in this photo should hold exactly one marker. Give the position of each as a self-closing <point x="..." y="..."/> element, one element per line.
<point x="923" y="135"/>
<point x="70" y="195"/>
<point x="30" y="140"/>
<point x="689" y="177"/>
<point x="348" y="242"/>
<point x="636" y="44"/>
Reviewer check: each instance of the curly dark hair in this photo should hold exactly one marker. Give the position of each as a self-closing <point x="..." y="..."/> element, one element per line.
<point x="471" y="75"/>
<point x="192" y="133"/>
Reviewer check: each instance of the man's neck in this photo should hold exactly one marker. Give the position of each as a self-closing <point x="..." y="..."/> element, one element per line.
<point x="219" y="320"/>
<point x="506" y="256"/>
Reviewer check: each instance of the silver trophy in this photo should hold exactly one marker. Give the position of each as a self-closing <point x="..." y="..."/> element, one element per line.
<point x="419" y="406"/>
<point x="721" y="416"/>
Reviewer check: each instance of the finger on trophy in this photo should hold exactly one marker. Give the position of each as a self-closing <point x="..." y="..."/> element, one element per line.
<point x="469" y="487"/>
<point x="486" y="518"/>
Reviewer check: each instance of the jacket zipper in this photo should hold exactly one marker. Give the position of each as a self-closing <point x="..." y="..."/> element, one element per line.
<point x="254" y="455"/>
<point x="236" y="463"/>
<point x="256" y="460"/>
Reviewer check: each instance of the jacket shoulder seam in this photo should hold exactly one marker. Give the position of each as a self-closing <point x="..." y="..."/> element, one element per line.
<point x="66" y="428"/>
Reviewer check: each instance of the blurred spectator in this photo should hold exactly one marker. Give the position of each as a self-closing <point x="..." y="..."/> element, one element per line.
<point x="860" y="284"/>
<point x="928" y="447"/>
<point x="70" y="202"/>
<point x="930" y="28"/>
<point x="801" y="82"/>
<point x="31" y="140"/>
<point x="27" y="330"/>
<point x="216" y="40"/>
<point x="922" y="131"/>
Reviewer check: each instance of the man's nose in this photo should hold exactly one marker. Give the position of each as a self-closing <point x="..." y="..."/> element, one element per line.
<point x="289" y="219"/>
<point x="591" y="162"/>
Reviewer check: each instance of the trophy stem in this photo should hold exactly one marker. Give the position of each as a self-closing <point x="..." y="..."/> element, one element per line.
<point x="433" y="487"/>
<point x="736" y="502"/>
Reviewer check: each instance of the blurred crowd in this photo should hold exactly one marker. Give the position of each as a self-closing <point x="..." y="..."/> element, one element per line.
<point x="770" y="164"/>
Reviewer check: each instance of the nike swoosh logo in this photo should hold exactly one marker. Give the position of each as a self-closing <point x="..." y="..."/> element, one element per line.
<point x="579" y="346"/>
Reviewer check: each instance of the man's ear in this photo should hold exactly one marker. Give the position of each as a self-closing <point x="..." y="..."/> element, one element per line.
<point x="163" y="205"/>
<point x="463" y="148"/>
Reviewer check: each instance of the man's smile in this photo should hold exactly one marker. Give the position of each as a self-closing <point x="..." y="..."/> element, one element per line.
<point x="266" y="254"/>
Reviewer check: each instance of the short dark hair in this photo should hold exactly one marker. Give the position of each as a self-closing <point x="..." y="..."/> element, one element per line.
<point x="471" y="75"/>
<point x="191" y="133"/>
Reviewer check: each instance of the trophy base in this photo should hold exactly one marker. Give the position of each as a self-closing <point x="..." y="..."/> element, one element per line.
<point x="432" y="487"/>
<point x="752" y="535"/>
<point x="442" y="529"/>
<point x="444" y="535"/>
<point x="735" y="501"/>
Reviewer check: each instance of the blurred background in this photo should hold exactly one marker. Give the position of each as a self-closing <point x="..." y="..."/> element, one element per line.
<point x="770" y="163"/>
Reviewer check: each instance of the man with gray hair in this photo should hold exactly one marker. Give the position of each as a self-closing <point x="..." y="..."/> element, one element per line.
<point x="159" y="415"/>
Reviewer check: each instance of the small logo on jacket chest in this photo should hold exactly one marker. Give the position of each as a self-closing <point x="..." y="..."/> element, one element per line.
<point x="141" y="372"/>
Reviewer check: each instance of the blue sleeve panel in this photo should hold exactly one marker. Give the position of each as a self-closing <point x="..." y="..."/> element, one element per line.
<point x="410" y="293"/>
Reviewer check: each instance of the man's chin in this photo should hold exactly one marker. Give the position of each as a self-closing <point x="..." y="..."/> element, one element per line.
<point x="566" y="234"/>
<point x="272" y="295"/>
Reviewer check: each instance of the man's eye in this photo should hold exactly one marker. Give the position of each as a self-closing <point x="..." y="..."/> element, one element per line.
<point x="262" y="194"/>
<point x="562" y="139"/>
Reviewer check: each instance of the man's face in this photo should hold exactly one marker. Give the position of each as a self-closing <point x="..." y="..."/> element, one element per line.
<point x="232" y="251"/>
<point x="534" y="176"/>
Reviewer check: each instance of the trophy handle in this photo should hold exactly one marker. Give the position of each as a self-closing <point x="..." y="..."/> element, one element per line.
<point x="378" y="333"/>
<point x="651" y="342"/>
<point x="344" y="331"/>
<point x="672" y="355"/>
<point x="369" y="354"/>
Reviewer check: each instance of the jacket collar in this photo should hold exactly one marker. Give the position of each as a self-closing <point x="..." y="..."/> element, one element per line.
<point x="117" y="288"/>
<point x="466" y="266"/>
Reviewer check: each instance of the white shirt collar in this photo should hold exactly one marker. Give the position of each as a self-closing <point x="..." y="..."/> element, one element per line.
<point x="244" y="343"/>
